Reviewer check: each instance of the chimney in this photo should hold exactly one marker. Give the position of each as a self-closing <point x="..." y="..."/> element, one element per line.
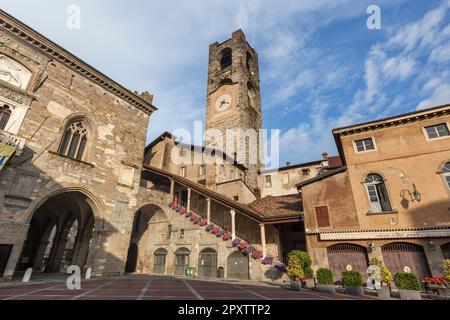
<point x="325" y="163"/>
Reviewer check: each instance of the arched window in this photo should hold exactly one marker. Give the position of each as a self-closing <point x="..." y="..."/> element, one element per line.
<point x="446" y="173"/>
<point x="73" y="143"/>
<point x="5" y="114"/>
<point x="377" y="193"/>
<point x="226" y="58"/>
<point x="248" y="61"/>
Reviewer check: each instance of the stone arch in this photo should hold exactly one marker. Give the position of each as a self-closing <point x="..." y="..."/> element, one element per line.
<point x="71" y="214"/>
<point x="341" y="255"/>
<point x="150" y="223"/>
<point x="398" y="255"/>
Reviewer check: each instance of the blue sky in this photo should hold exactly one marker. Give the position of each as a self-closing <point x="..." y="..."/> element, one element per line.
<point x="320" y="66"/>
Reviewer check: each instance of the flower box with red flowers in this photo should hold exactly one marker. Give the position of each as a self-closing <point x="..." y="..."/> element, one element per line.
<point x="257" y="254"/>
<point x="197" y="220"/>
<point x="243" y="245"/>
<point x="171" y="205"/>
<point x="193" y="217"/>
<point x="215" y="230"/>
<point x="226" y="236"/>
<point x="267" y="261"/>
<point x="179" y="208"/>
<point x="439" y="281"/>
<point x="249" y="250"/>
<point x="202" y="223"/>
<point x="182" y="211"/>
<point x="220" y="233"/>
<point x="235" y="242"/>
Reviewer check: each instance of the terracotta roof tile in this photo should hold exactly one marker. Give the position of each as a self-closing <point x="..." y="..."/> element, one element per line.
<point x="282" y="206"/>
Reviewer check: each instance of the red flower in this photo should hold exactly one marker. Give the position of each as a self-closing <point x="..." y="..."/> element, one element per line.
<point x="257" y="254"/>
<point x="203" y="223"/>
<point x="215" y="230"/>
<point x="193" y="217"/>
<point x="226" y="236"/>
<point x="243" y="245"/>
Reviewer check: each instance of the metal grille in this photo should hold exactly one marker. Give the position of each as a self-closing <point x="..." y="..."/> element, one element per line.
<point x="346" y="247"/>
<point x="402" y="246"/>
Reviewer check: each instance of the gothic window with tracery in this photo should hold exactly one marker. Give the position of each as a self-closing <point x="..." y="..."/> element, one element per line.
<point x="73" y="143"/>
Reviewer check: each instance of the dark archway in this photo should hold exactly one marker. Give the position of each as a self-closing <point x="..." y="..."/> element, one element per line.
<point x="60" y="234"/>
<point x="181" y="261"/>
<point x="207" y="263"/>
<point x="343" y="254"/>
<point x="132" y="257"/>
<point x="446" y="250"/>
<point x="148" y="221"/>
<point x="238" y="266"/>
<point x="398" y="255"/>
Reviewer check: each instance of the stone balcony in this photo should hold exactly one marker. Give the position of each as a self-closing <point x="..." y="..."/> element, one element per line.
<point x="13" y="140"/>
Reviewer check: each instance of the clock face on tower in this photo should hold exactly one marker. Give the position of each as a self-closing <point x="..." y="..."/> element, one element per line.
<point x="223" y="103"/>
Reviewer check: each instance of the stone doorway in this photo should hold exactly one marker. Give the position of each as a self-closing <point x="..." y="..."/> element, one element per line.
<point x="207" y="263"/>
<point x="59" y="235"/>
<point x="238" y="266"/>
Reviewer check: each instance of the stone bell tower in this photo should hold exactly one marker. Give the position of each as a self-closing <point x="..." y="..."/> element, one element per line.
<point x="234" y="100"/>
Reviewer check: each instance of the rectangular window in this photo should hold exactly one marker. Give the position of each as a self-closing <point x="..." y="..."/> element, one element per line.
<point x="305" y="172"/>
<point x="286" y="178"/>
<point x="437" y="131"/>
<point x="236" y="198"/>
<point x="183" y="172"/>
<point x="322" y="217"/>
<point x="201" y="170"/>
<point x="268" y="181"/>
<point x="364" y="145"/>
<point x="181" y="233"/>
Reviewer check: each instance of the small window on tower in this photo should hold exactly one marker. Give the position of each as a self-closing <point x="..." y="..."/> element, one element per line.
<point x="268" y="181"/>
<point x="248" y="61"/>
<point x="226" y="58"/>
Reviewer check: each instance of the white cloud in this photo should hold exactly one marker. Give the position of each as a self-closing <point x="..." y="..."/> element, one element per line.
<point x="440" y="54"/>
<point x="441" y="95"/>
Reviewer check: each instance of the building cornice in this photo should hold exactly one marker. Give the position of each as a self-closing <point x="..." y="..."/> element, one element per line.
<point x="374" y="234"/>
<point x="56" y="52"/>
<point x="405" y="118"/>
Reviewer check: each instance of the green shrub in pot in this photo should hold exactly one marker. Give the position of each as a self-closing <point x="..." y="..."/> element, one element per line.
<point x="324" y="276"/>
<point x="408" y="285"/>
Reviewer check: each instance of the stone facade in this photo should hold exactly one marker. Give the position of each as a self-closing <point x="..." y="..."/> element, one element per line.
<point x="103" y="180"/>
<point x="240" y="80"/>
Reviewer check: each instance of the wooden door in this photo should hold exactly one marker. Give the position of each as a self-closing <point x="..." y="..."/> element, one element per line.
<point x="159" y="263"/>
<point x="181" y="262"/>
<point x="238" y="266"/>
<point x="207" y="263"/>
<point x="398" y="255"/>
<point x="342" y="255"/>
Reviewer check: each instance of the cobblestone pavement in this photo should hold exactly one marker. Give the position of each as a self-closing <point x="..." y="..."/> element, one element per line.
<point x="160" y="288"/>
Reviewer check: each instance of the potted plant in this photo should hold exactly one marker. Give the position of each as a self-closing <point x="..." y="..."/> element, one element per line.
<point x="353" y="282"/>
<point x="294" y="270"/>
<point x="235" y="242"/>
<point x="384" y="291"/>
<point x="305" y="263"/>
<point x="257" y="254"/>
<point x="325" y="280"/>
<point x="202" y="223"/>
<point x="267" y="261"/>
<point x="408" y="285"/>
<point x="436" y="284"/>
